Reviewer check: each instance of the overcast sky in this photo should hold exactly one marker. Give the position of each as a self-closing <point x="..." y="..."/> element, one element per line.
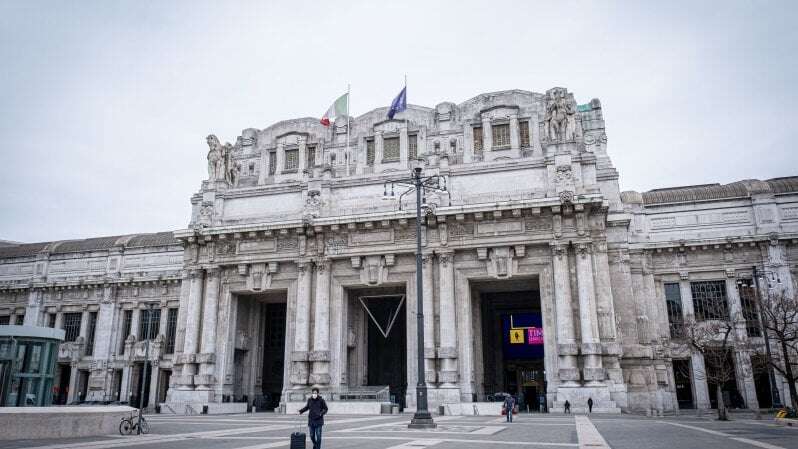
<point x="104" y="106"/>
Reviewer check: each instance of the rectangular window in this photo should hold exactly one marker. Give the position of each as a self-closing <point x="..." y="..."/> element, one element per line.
<point x="171" y="331"/>
<point x="748" y="302"/>
<point x="127" y="322"/>
<point x="478" y="140"/>
<point x="673" y="301"/>
<point x="390" y="149"/>
<point x="272" y="163"/>
<point x="154" y="324"/>
<point x="310" y="153"/>
<point x="4" y="319"/>
<point x="412" y="147"/>
<point x="370" y="152"/>
<point x="91" y="331"/>
<point x="709" y="300"/>
<point x="72" y="325"/>
<point x="20" y="320"/>
<point x="291" y="160"/>
<point x="501" y="136"/>
<point x="51" y="320"/>
<point x="523" y="131"/>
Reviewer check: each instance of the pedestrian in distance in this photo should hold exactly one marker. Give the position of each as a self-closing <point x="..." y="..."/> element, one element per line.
<point x="509" y="406"/>
<point x="317" y="408"/>
<point x="567" y="410"/>
<point x="590" y="405"/>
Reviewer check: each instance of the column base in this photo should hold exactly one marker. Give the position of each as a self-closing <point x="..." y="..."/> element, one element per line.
<point x="422" y="420"/>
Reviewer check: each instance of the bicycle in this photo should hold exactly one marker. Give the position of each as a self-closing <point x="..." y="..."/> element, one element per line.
<point x="130" y="424"/>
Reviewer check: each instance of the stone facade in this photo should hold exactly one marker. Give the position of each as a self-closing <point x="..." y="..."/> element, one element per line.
<point x="293" y="215"/>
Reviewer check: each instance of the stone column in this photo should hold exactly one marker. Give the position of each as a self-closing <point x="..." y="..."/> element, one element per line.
<point x="515" y="137"/>
<point x="280" y="162"/>
<point x="264" y="167"/>
<point x="302" y="155"/>
<point x="378" y="150"/>
<point x="487" y="136"/>
<point x="34" y="311"/>
<point x="403" y="148"/>
<point x="468" y="143"/>
<point x="588" y="319"/>
<point x="73" y="382"/>
<point x="153" y="379"/>
<point x="566" y="347"/>
<point x="429" y="319"/>
<point x="320" y="356"/>
<point x="605" y="304"/>
<point x="744" y="372"/>
<point x="700" y="387"/>
<point x="299" y="357"/>
<point x="206" y="359"/>
<point x="447" y="351"/>
<point x="191" y="342"/>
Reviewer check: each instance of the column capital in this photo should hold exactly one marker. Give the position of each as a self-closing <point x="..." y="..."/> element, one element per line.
<point x="322" y="265"/>
<point x="195" y="273"/>
<point x="558" y="249"/>
<point x="445" y="258"/>
<point x="213" y="272"/>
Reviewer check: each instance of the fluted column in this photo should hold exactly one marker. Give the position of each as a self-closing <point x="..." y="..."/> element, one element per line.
<point x="191" y="341"/>
<point x="320" y="356"/>
<point x="207" y="356"/>
<point x="429" y="319"/>
<point x="588" y="319"/>
<point x="447" y="351"/>
<point x="566" y="342"/>
<point x="299" y="357"/>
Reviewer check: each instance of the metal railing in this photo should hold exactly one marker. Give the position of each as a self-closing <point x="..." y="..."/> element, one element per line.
<point x="368" y="394"/>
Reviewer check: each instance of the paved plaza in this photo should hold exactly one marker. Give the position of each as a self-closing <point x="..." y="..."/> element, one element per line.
<point x="262" y="431"/>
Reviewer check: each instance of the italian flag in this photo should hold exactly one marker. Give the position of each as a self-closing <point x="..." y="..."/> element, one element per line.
<point x="339" y="107"/>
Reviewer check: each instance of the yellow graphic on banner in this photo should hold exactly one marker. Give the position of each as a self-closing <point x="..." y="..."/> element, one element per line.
<point x="516" y="336"/>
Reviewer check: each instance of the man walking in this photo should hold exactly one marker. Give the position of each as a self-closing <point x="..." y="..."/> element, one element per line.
<point x="317" y="408"/>
<point x="567" y="410"/>
<point x="590" y="405"/>
<point x="509" y="406"/>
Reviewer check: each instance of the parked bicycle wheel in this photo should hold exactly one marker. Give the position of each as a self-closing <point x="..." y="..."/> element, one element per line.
<point x="125" y="427"/>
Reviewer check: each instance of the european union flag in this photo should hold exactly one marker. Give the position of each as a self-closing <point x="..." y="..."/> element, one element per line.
<point x="399" y="103"/>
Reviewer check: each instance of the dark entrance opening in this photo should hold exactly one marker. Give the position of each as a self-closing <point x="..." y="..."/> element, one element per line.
<point x="384" y="322"/>
<point x="762" y="381"/>
<point x="136" y="400"/>
<point x="684" y="384"/>
<point x="512" y="342"/>
<point x="61" y="393"/>
<point x="723" y="368"/>
<point x="273" y="351"/>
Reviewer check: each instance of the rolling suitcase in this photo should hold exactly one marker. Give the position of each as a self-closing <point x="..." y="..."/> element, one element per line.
<point x="298" y="438"/>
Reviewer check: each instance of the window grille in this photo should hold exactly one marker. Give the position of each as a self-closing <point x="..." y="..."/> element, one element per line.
<point x="171" y="331"/>
<point x="478" y="140"/>
<point x="155" y="321"/>
<point x="127" y="322"/>
<point x="523" y="128"/>
<point x="390" y="149"/>
<point x="72" y="325"/>
<point x="370" y="152"/>
<point x="673" y="300"/>
<point x="412" y="146"/>
<point x="501" y="136"/>
<point x="310" y="154"/>
<point x="4" y="319"/>
<point x="20" y="320"/>
<point x="709" y="300"/>
<point x="51" y="320"/>
<point x="91" y="331"/>
<point x="291" y="160"/>
<point x="747" y="293"/>
<point x="272" y="163"/>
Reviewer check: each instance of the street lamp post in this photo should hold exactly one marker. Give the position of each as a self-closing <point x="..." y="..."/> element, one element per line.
<point x="422" y="419"/>
<point x="775" y="400"/>
<point x="144" y="370"/>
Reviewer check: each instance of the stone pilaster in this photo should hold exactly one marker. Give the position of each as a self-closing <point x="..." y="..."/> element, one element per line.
<point x="447" y="351"/>
<point x="588" y="318"/>
<point x="320" y="356"/>
<point x="515" y="137"/>
<point x="299" y="356"/>
<point x="403" y="149"/>
<point x="378" y="150"/>
<point x="430" y="372"/>
<point x="566" y="347"/>
<point x="207" y="355"/>
<point x="193" y="322"/>
<point x="487" y="135"/>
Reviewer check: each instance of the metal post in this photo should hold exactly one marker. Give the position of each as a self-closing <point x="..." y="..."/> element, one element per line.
<point x="775" y="400"/>
<point x="422" y="419"/>
<point x="144" y="370"/>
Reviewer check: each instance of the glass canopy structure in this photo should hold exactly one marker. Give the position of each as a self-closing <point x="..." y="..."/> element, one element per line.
<point x="27" y="361"/>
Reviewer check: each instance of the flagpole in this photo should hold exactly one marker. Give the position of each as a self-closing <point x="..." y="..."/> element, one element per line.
<point x="407" y="127"/>
<point x="348" y="154"/>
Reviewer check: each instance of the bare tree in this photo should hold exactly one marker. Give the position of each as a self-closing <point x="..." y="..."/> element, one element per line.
<point x="779" y="313"/>
<point x="712" y="332"/>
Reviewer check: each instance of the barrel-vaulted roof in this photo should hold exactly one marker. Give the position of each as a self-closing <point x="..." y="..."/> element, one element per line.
<point x="92" y="244"/>
<point x="739" y="189"/>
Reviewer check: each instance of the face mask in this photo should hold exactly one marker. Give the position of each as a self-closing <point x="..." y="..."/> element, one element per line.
<point x="315" y="395"/>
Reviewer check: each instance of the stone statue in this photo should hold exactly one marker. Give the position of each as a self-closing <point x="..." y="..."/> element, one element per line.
<point x="560" y="122"/>
<point x="228" y="170"/>
<point x="214" y="157"/>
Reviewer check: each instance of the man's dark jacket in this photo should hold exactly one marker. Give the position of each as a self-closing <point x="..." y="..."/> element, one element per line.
<point x="318" y="408"/>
